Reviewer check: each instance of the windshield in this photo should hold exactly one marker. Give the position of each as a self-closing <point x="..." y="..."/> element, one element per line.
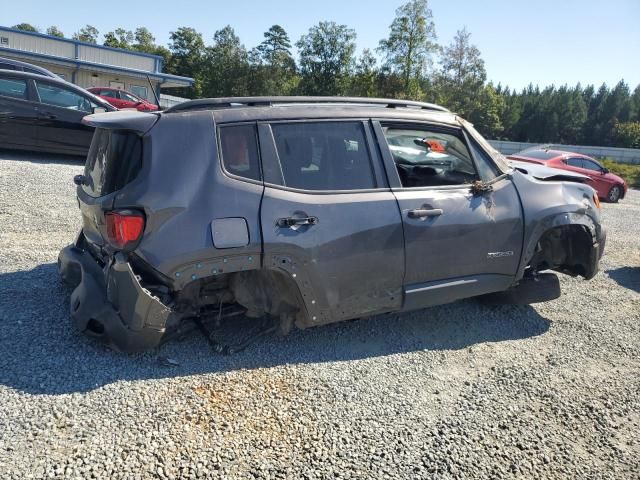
<point x="499" y="159"/>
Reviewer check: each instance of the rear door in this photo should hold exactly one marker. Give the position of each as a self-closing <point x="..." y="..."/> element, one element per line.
<point x="457" y="243"/>
<point x="60" y="114"/>
<point x="17" y="113"/>
<point x="329" y="219"/>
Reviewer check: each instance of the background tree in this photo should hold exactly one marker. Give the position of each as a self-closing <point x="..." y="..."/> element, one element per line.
<point x="119" y="38"/>
<point x="87" y="34"/>
<point x="364" y="82"/>
<point x="55" y="31"/>
<point x="410" y="45"/>
<point x="273" y="67"/>
<point x="187" y="57"/>
<point x="26" y="27"/>
<point x="226" y="66"/>
<point x="326" y="59"/>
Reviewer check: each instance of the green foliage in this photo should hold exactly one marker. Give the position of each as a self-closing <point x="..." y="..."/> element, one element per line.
<point x="187" y="59"/>
<point x="55" y="32"/>
<point x="629" y="172"/>
<point x="410" y="45"/>
<point x="120" y="38"/>
<point x="326" y="58"/>
<point x="87" y="34"/>
<point x="26" y="27"/>
<point x="273" y="69"/>
<point x="626" y="134"/>
<point x="226" y="66"/>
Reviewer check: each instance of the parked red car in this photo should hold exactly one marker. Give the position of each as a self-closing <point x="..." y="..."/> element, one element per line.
<point x="123" y="99"/>
<point x="610" y="187"/>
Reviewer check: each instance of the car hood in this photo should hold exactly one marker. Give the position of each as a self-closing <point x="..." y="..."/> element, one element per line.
<point x="613" y="178"/>
<point x="542" y="172"/>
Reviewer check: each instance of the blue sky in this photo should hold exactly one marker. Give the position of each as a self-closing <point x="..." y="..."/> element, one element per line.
<point x="540" y="41"/>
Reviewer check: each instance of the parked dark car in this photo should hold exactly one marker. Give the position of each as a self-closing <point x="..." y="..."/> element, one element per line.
<point x="122" y="99"/>
<point x="306" y="211"/>
<point x="610" y="187"/>
<point x="16" y="65"/>
<point x="45" y="114"/>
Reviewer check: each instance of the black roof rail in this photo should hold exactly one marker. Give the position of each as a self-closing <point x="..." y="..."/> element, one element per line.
<point x="231" y="102"/>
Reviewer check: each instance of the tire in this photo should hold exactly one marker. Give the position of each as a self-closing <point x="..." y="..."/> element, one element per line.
<point x="614" y="194"/>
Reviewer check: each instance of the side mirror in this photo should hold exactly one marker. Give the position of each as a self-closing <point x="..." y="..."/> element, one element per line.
<point x="98" y="110"/>
<point x="604" y="170"/>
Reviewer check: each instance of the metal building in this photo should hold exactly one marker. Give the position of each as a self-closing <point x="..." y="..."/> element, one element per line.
<point x="90" y="65"/>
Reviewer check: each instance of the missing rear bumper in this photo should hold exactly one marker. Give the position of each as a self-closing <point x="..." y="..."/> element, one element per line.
<point x="110" y="303"/>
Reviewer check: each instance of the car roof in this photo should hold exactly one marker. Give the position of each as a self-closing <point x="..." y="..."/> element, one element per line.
<point x="56" y="81"/>
<point x="236" y="109"/>
<point x="18" y="63"/>
<point x="547" y="154"/>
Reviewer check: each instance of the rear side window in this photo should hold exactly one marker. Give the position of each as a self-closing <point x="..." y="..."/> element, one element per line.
<point x="239" y="148"/>
<point x="114" y="160"/>
<point x="324" y="156"/>
<point x="15" y="88"/>
<point x="574" y="162"/>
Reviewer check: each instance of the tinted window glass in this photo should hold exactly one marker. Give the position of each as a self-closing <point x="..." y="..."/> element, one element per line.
<point x="575" y="162"/>
<point x="108" y="93"/>
<point x="591" y="165"/>
<point x="240" y="151"/>
<point x="114" y="159"/>
<point x="15" y="88"/>
<point x="427" y="158"/>
<point x="324" y="156"/>
<point x="128" y="97"/>
<point x="63" y="97"/>
<point x="7" y="66"/>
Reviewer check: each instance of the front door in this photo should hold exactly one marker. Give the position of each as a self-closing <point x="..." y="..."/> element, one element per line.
<point x="329" y="219"/>
<point x="60" y="114"/>
<point x="459" y="241"/>
<point x="16" y="113"/>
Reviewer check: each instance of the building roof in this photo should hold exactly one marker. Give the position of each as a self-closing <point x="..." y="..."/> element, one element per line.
<point x="165" y="79"/>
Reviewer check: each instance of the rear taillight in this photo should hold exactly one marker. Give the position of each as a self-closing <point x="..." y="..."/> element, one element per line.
<point x="124" y="228"/>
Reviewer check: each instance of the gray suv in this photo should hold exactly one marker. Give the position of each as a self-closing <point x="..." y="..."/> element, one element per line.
<point x="310" y="210"/>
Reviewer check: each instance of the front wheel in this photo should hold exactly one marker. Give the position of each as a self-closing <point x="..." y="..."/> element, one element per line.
<point x="614" y="194"/>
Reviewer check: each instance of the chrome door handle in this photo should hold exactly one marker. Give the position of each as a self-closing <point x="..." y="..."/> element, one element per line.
<point x="425" y="212"/>
<point x="289" y="222"/>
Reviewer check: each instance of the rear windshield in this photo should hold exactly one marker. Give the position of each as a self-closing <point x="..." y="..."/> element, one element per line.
<point x="114" y="160"/>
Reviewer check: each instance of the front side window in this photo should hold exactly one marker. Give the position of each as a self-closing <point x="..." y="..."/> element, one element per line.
<point x="428" y="158"/>
<point x="324" y="155"/>
<point x="62" y="97"/>
<point x="591" y="165"/>
<point x="139" y="91"/>
<point x="239" y="149"/>
<point x="575" y="162"/>
<point x="14" y="88"/>
<point x="128" y="97"/>
<point x="108" y="93"/>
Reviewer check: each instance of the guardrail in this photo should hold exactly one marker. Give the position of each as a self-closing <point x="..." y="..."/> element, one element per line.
<point x="622" y="155"/>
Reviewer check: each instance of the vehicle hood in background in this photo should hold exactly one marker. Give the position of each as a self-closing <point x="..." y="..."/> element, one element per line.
<point x="542" y="172"/>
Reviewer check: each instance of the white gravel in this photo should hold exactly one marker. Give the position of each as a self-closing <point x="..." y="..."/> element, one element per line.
<point x="458" y="391"/>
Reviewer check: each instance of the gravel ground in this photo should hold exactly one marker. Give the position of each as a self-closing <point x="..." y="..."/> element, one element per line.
<point x="458" y="391"/>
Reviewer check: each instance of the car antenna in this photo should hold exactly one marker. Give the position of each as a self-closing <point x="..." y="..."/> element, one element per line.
<point x="154" y="92"/>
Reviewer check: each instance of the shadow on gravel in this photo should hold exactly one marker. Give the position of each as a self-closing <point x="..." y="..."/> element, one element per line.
<point x="40" y="157"/>
<point x="41" y="353"/>
<point x="628" y="277"/>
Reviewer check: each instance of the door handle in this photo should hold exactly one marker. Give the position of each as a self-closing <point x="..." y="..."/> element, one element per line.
<point x="289" y="222"/>
<point x="425" y="212"/>
<point x="50" y="116"/>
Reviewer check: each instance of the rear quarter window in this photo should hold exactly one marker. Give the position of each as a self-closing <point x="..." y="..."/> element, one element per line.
<point x="114" y="160"/>
<point x="13" y="87"/>
<point x="239" y="148"/>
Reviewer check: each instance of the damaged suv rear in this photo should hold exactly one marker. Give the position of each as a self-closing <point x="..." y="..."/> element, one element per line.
<point x="309" y="210"/>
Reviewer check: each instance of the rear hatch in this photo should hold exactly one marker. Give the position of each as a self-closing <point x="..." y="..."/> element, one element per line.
<point x="114" y="160"/>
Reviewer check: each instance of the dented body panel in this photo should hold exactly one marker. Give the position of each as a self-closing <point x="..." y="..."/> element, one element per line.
<point x="214" y="239"/>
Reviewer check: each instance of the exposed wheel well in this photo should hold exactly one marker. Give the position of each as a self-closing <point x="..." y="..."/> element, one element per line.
<point x="566" y="249"/>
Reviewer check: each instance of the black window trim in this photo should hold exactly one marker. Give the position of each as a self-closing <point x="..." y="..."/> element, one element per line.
<point x="458" y="131"/>
<point x="235" y="176"/>
<point x="369" y="139"/>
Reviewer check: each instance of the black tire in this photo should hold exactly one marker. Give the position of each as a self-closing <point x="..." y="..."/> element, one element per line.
<point x="614" y="194"/>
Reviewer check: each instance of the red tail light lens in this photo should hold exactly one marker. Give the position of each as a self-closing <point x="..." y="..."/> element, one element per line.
<point x="124" y="227"/>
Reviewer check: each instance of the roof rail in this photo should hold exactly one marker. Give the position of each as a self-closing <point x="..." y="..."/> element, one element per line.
<point x="235" y="102"/>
